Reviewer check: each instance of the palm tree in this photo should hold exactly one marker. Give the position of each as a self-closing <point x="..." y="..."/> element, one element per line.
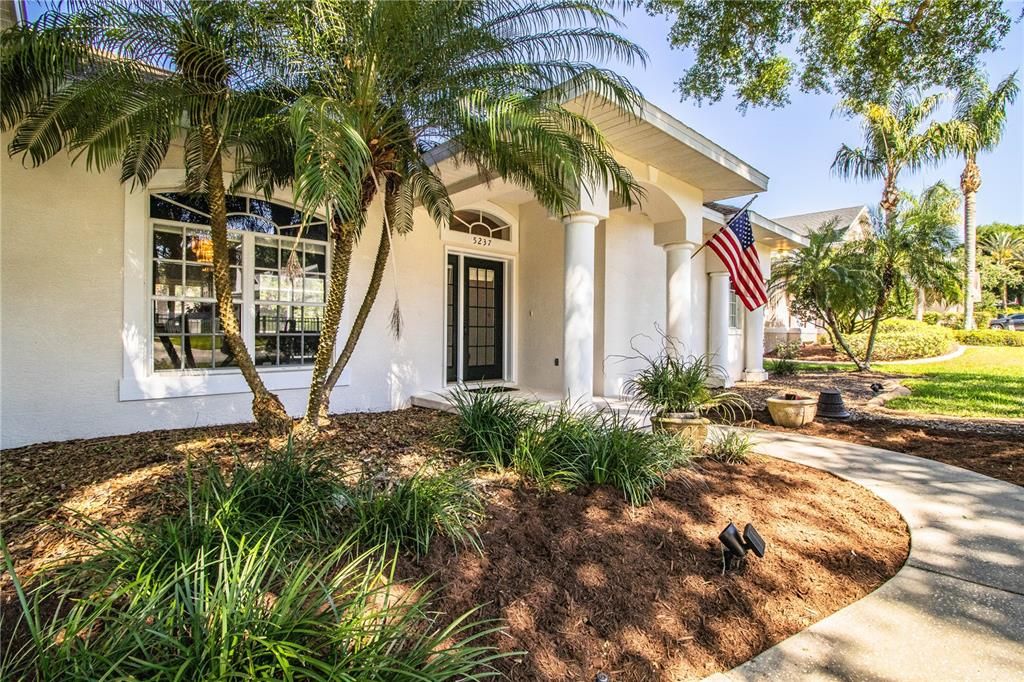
<point x="980" y="114"/>
<point x="391" y="85"/>
<point x="826" y="280"/>
<point x="1006" y="250"/>
<point x="894" y="140"/>
<point x="911" y="251"/>
<point x="120" y="81"/>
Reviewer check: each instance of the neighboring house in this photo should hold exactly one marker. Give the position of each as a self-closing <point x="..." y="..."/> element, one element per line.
<point x="782" y="325"/>
<point x="109" y="323"/>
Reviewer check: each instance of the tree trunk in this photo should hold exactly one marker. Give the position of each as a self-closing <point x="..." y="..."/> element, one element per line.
<point x="372" y="289"/>
<point x="922" y="303"/>
<point x="970" y="182"/>
<point x="342" y="245"/>
<point x="873" y="334"/>
<point x="267" y="410"/>
<point x="837" y="336"/>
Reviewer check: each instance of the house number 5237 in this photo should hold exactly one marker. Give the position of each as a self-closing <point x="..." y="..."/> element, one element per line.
<point x="482" y="241"/>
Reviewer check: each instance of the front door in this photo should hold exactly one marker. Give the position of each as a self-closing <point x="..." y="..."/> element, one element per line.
<point x="478" y="288"/>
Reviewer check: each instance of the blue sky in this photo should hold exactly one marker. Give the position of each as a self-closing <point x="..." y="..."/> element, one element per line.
<point x="795" y="145"/>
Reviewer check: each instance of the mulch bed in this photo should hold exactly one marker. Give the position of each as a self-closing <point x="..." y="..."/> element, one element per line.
<point x="586" y="583"/>
<point x="991" y="447"/>
<point x="581" y="581"/>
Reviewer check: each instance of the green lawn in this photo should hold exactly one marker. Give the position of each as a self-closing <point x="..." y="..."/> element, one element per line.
<point x="983" y="382"/>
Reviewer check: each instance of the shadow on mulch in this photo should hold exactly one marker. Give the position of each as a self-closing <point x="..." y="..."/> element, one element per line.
<point x="586" y="583"/>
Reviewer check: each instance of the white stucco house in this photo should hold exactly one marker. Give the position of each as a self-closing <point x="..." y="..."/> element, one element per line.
<point x="108" y="323"/>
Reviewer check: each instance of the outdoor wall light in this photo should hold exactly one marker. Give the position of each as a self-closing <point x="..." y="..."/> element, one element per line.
<point x="736" y="546"/>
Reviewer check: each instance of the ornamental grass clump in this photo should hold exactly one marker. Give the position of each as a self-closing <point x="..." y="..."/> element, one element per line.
<point x="729" y="447"/>
<point x="245" y="607"/>
<point x="488" y="425"/>
<point x="410" y="512"/>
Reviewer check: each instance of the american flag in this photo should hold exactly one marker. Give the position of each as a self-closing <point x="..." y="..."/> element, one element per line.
<point x="734" y="244"/>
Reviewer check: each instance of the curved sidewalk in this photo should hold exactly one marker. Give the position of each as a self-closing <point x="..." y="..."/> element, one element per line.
<point x="955" y="611"/>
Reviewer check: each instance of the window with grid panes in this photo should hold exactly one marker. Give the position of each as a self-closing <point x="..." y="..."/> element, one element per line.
<point x="285" y="278"/>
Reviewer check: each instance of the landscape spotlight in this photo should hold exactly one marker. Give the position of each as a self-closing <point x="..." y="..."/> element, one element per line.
<point x="736" y="546"/>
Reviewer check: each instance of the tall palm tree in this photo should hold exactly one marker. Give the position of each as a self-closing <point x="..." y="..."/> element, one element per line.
<point x="911" y="251"/>
<point x="825" y="281"/>
<point x="1006" y="250"/>
<point x="392" y="85"/>
<point x="120" y="81"/>
<point x="981" y="116"/>
<point x="896" y="138"/>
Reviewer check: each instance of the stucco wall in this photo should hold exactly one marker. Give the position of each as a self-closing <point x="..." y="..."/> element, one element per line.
<point x="541" y="268"/>
<point x="61" y="244"/>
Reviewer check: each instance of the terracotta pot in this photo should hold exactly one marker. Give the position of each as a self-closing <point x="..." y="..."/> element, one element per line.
<point x="685" y="425"/>
<point x="792" y="410"/>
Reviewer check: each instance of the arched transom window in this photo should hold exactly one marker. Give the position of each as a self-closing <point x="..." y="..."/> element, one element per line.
<point x="276" y="263"/>
<point x="480" y="224"/>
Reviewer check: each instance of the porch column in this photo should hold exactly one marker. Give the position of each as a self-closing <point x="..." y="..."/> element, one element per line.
<point x="753" y="334"/>
<point x="679" y="294"/>
<point x="718" y="320"/>
<point x="753" y="345"/>
<point x="578" y="334"/>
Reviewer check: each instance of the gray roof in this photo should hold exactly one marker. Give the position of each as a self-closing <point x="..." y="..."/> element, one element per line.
<point x="804" y="223"/>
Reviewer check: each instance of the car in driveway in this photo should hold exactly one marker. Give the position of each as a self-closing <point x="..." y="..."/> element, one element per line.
<point x="1011" y="322"/>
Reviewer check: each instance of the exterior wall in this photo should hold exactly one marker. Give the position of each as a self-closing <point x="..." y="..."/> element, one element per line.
<point x="633" y="299"/>
<point x="541" y="280"/>
<point x="62" y="245"/>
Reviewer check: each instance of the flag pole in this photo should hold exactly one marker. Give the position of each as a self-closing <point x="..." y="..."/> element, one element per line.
<point x="727" y="224"/>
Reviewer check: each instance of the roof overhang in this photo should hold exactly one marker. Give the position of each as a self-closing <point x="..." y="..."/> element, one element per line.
<point x="649" y="135"/>
<point x="766" y="230"/>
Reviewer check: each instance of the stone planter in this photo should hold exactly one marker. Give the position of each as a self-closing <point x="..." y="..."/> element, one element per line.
<point x="684" y="425"/>
<point x="792" y="410"/>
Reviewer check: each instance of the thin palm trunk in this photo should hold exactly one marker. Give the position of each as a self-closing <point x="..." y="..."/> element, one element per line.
<point x="372" y="289"/>
<point x="837" y="337"/>
<point x="267" y="410"/>
<point x="343" y="243"/>
<point x="921" y="305"/>
<point x="970" y="257"/>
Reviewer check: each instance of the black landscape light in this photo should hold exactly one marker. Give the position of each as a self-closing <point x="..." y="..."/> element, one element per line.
<point x="735" y="546"/>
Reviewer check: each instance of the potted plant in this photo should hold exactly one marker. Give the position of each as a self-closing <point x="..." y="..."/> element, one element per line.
<point x="675" y="391"/>
<point x="792" y="410"/>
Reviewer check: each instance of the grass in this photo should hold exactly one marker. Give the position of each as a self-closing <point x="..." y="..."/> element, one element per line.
<point x="983" y="382"/>
<point x="986" y="381"/>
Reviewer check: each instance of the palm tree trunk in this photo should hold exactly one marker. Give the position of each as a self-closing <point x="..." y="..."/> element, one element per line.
<point x="922" y="303"/>
<point x="267" y="410"/>
<point x="372" y="289"/>
<point x="837" y="337"/>
<point x="970" y="182"/>
<point x="343" y="243"/>
<point x="876" y="320"/>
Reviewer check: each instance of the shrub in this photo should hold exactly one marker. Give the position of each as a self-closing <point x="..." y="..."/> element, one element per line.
<point x="904" y="340"/>
<point x="237" y="610"/>
<point x="786" y="355"/>
<point x="488" y="425"/>
<point x="632" y="460"/>
<point x="730" y="447"/>
<point x="410" y="512"/>
<point x="989" y="337"/>
<point x="670" y="383"/>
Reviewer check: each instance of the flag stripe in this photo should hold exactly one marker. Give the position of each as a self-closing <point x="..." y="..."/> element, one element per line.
<point x="734" y="246"/>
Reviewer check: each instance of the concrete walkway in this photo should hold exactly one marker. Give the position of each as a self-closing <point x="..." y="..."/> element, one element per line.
<point x="955" y="611"/>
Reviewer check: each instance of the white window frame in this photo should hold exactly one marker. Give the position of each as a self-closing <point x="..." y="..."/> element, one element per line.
<point x="486" y="247"/>
<point x="735" y="307"/>
<point x="138" y="379"/>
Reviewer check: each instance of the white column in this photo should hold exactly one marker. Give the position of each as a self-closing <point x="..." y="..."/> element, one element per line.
<point x="679" y="294"/>
<point x="718" y="321"/>
<point x="578" y="333"/>
<point x="753" y="345"/>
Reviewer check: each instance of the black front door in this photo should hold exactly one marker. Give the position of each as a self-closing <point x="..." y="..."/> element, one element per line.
<point x="483" y="294"/>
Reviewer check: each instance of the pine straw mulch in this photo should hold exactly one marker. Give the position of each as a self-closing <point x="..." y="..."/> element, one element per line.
<point x="581" y="581"/>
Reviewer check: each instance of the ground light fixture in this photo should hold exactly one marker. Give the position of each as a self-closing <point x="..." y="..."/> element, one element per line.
<point x="735" y="546"/>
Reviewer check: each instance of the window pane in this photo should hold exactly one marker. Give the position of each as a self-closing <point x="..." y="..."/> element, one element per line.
<point x="315" y="260"/>
<point x="315" y="288"/>
<point x="167" y="317"/>
<point x="167" y="352"/>
<point x="165" y="210"/>
<point x="249" y="223"/>
<point x="199" y="318"/>
<point x="198" y="351"/>
<point x="266" y="255"/>
<point x="266" y="350"/>
<point x="167" y="244"/>
<point x="166" y="279"/>
<point x="198" y="281"/>
<point x="267" y="286"/>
